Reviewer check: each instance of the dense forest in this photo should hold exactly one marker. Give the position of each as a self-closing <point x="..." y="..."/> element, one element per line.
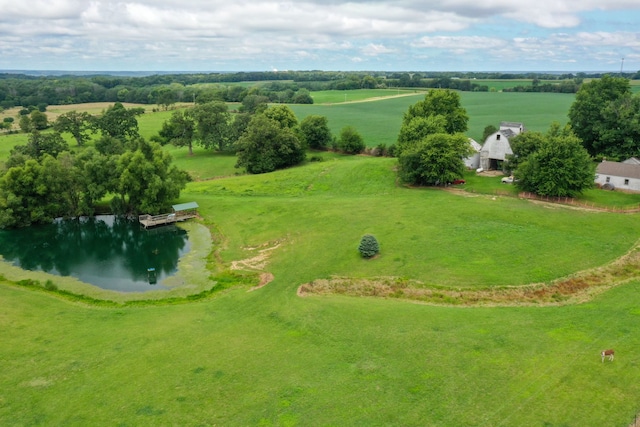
<point x="281" y="86"/>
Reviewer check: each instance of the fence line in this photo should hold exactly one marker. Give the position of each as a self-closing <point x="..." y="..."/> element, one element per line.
<point x="573" y="202"/>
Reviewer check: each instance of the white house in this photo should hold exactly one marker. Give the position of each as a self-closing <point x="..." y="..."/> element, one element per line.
<point x="619" y="175"/>
<point x="473" y="161"/>
<point x="496" y="147"/>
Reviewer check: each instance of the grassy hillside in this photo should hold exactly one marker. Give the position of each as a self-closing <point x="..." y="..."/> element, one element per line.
<point x="268" y="357"/>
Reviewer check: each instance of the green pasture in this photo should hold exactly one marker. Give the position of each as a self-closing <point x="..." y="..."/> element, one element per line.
<point x="267" y="357"/>
<point x="270" y="358"/>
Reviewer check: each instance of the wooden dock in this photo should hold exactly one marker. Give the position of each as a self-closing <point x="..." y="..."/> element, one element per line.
<point x="155" y="220"/>
<point x="181" y="212"/>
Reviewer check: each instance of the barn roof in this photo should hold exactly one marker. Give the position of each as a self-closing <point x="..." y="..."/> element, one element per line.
<point x="624" y="170"/>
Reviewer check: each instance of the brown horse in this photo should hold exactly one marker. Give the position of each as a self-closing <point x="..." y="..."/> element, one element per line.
<point x="607" y="353"/>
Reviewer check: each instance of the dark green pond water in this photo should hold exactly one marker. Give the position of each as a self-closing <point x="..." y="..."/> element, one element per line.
<point x="109" y="252"/>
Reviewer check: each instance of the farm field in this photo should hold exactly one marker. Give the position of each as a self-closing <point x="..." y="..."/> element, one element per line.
<point x="268" y="357"/>
<point x="379" y="121"/>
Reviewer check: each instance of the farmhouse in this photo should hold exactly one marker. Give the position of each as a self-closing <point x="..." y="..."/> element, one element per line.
<point x="619" y="175"/>
<point x="473" y="161"/>
<point x="496" y="147"/>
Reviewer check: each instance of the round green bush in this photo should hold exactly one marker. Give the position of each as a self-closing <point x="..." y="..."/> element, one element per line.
<point x="368" y="246"/>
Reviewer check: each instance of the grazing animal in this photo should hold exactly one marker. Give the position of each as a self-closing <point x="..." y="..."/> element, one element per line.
<point x="607" y="354"/>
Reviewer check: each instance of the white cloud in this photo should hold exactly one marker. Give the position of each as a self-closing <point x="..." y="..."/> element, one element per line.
<point x="313" y="32"/>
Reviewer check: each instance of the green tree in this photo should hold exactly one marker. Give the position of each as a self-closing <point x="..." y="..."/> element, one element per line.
<point x="418" y="128"/>
<point x="438" y="159"/>
<point x="32" y="193"/>
<point x="587" y="113"/>
<point x="266" y="146"/>
<point x="179" y="130"/>
<point x="522" y="146"/>
<point x="283" y="115"/>
<point x="439" y="112"/>
<point x="146" y="180"/>
<point x="212" y="125"/>
<point x="253" y="104"/>
<point x="315" y="131"/>
<point x="165" y="97"/>
<point x="39" y="120"/>
<point x="22" y="196"/>
<point x="77" y="124"/>
<point x="350" y="141"/>
<point x="97" y="174"/>
<point x="108" y="146"/>
<point x="559" y="167"/>
<point x="25" y="124"/>
<point x="302" y="97"/>
<point x="444" y="103"/>
<point x="119" y="122"/>
<point x="619" y="130"/>
<point x="40" y="144"/>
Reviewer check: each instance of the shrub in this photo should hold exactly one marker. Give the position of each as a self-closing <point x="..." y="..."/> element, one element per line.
<point x="368" y="246"/>
<point x="350" y="141"/>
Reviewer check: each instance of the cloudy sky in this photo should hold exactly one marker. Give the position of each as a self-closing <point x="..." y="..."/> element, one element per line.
<point x="260" y="35"/>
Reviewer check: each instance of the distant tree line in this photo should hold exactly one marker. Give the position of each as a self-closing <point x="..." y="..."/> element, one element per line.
<point x="282" y="86"/>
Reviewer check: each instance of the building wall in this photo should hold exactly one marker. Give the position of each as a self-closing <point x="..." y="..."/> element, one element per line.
<point x="472" y="162"/>
<point x="619" y="182"/>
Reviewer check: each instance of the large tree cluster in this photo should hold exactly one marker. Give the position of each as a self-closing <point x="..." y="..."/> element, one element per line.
<point x="552" y="164"/>
<point x="431" y="144"/>
<point x="43" y="179"/>
<point x="606" y="117"/>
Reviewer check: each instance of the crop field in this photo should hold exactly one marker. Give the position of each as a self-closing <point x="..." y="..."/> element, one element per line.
<point x="268" y="357"/>
<point x="379" y="121"/>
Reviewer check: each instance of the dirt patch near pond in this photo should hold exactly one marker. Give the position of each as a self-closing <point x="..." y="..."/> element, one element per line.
<point x="258" y="262"/>
<point x="577" y="288"/>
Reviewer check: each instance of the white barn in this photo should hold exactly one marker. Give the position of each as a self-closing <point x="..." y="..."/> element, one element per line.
<point x="496" y="148"/>
<point x="619" y="175"/>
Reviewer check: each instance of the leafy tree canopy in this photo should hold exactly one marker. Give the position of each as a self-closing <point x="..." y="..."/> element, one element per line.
<point x="77" y="124"/>
<point x="591" y="115"/>
<point x="444" y="103"/>
<point x="437" y="159"/>
<point x="266" y="146"/>
<point x="559" y="166"/>
<point x="315" y="131"/>
<point x="283" y="115"/>
<point x="350" y="141"/>
<point x="119" y="122"/>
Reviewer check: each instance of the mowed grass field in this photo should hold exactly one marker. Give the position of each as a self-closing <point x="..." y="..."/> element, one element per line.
<point x="270" y="358"/>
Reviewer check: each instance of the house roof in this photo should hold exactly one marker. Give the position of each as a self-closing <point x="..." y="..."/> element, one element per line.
<point x="624" y="170"/>
<point x="185" y="206"/>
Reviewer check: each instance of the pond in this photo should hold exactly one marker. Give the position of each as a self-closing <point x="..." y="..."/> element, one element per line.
<point x="110" y="252"/>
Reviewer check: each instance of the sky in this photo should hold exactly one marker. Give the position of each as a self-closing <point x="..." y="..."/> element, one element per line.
<point x="264" y="35"/>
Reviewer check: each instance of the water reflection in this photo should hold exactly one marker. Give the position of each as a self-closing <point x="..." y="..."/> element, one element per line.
<point x="110" y="252"/>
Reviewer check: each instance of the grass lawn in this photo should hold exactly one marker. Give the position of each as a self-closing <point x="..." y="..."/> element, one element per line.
<point x="270" y="358"/>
